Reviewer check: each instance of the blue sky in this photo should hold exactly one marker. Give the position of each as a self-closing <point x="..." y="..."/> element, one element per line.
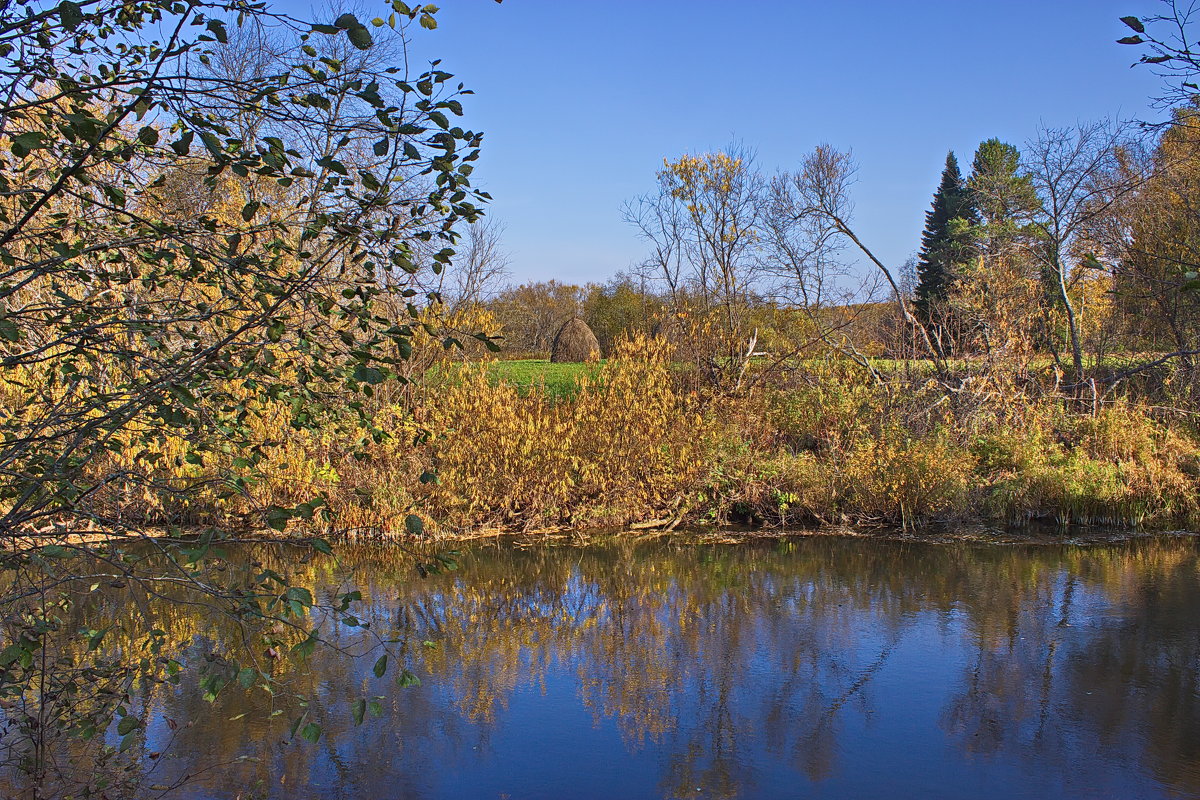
<point x="581" y="100"/>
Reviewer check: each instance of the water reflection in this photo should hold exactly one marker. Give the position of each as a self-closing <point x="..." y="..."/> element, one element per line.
<point x="816" y="667"/>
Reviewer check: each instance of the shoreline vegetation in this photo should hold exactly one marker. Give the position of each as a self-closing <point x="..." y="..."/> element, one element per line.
<point x="629" y="445"/>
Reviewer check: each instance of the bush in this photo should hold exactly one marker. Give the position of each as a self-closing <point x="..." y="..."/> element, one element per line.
<point x="624" y="448"/>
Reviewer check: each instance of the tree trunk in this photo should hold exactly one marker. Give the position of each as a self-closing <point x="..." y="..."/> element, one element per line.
<point x="1072" y="325"/>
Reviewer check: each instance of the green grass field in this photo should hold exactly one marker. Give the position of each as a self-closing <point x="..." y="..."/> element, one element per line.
<point x="560" y="380"/>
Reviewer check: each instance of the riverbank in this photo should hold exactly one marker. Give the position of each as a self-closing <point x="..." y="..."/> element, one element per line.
<point x="635" y="448"/>
<point x="934" y="533"/>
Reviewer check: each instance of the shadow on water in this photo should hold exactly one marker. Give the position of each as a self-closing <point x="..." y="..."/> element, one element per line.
<point x="815" y="667"/>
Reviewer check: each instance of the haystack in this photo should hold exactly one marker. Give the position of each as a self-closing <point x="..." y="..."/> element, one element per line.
<point x="575" y="342"/>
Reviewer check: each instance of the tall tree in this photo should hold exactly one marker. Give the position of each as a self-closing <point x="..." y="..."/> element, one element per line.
<point x="817" y="200"/>
<point x="1078" y="175"/>
<point x="998" y="288"/>
<point x="1003" y="197"/>
<point x="946" y="241"/>
<point x="1156" y="242"/>
<point x="703" y="225"/>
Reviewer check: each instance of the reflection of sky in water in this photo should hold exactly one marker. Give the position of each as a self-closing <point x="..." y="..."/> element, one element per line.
<point x="824" y="668"/>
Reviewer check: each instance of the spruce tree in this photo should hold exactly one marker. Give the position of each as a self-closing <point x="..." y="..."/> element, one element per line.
<point x="1003" y="197"/>
<point x="946" y="241"/>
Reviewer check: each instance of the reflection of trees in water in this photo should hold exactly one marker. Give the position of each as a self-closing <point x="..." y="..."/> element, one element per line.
<point x="1101" y="663"/>
<point x="676" y="648"/>
<point x="715" y="655"/>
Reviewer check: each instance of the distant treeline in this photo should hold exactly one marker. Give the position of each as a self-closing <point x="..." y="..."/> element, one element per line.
<point x="1081" y="248"/>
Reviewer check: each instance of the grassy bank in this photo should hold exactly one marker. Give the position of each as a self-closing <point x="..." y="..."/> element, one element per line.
<point x="493" y="446"/>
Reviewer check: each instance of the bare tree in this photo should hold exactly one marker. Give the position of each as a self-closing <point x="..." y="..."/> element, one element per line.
<point x="703" y="226"/>
<point x="1078" y="179"/>
<point x="818" y="202"/>
<point x="479" y="268"/>
<point x="659" y="223"/>
<point x="800" y="255"/>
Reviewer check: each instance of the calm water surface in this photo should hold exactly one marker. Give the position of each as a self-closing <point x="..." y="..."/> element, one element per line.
<point x="819" y="667"/>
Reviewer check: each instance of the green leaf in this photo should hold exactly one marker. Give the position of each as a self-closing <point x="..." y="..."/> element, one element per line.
<point x="115" y="194"/>
<point x="250" y="209"/>
<point x="182" y="394"/>
<point x="406" y="679"/>
<point x="23" y="143"/>
<point x="1131" y="40"/>
<point x="321" y="546"/>
<point x="95" y="638"/>
<point x="347" y="21"/>
<point x="128" y="724"/>
<point x="360" y="37"/>
<point x="359" y="710"/>
<point x="380" y="148"/>
<point x="9" y="330"/>
<point x="277" y="518"/>
<point x="70" y="15"/>
<point x="414" y="525"/>
<point x="183" y="145"/>
<point x="148" y="135"/>
<point x="368" y="375"/>
<point x="305" y="648"/>
<point x="311" y="732"/>
<point x="380" y="666"/>
<point x="300" y="595"/>
<point x="217" y="28"/>
<point x="10" y="654"/>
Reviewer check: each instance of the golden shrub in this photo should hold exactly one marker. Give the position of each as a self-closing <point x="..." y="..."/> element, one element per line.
<point x="623" y="448"/>
<point x="897" y="478"/>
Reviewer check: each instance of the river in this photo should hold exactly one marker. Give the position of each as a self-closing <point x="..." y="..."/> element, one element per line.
<point x="823" y="667"/>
